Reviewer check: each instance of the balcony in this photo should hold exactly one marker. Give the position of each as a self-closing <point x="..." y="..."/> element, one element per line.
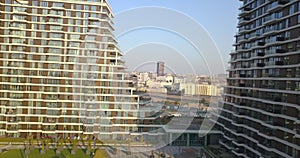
<point x="273" y="75"/>
<point x="237" y="121"/>
<point x="278" y="124"/>
<point x="244" y="20"/>
<point x="271" y="20"/>
<point x="261" y="54"/>
<point x="245" y="11"/>
<point x="260" y="64"/>
<point x="279" y="63"/>
<point x="277" y="99"/>
<point x="279" y="39"/>
<point x="244" y="94"/>
<point x="279" y="51"/>
<point x="241" y="113"/>
<point x="93" y="26"/>
<point x="93" y="19"/>
<point x="12" y="128"/>
<point x="275" y="6"/>
<point x="271" y="30"/>
<point x="261" y="43"/>
<point x="12" y="120"/>
<point x="245" y="66"/>
<point x="244" y="29"/>
<point x="242" y="85"/>
<point x="239" y="40"/>
<point x="242" y="75"/>
<point x="242" y="103"/>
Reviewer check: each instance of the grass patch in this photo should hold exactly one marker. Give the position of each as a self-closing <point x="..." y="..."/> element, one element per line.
<point x="19" y="153"/>
<point x="12" y="140"/>
<point x="101" y="154"/>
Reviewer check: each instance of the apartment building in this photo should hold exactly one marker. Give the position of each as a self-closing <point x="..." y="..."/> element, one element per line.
<point x="62" y="73"/>
<point x="261" y="111"/>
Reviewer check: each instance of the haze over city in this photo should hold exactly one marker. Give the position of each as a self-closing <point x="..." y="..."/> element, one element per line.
<point x="149" y="79"/>
<point x="143" y="45"/>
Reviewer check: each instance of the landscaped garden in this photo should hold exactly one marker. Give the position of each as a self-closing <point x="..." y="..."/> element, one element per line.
<point x="49" y="148"/>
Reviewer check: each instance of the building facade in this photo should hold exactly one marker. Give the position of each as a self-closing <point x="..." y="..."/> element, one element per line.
<point x="199" y="89"/>
<point x="62" y="74"/>
<point x="261" y="111"/>
<point x="160" y="68"/>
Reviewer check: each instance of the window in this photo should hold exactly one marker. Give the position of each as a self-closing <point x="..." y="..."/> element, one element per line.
<point x="74" y="37"/>
<point x="44" y="4"/>
<point x="43" y="42"/>
<point x="55" y="43"/>
<point x="18" y="17"/>
<point x="42" y="27"/>
<point x="297" y="86"/>
<point x="7" y="9"/>
<point x="85" y="15"/>
<point x="55" y="27"/>
<point x="287" y="23"/>
<point x="35" y="3"/>
<point x="53" y="58"/>
<point x="45" y="11"/>
<point x="57" y="4"/>
<point x="71" y="21"/>
<point x="78" y="14"/>
<point x="34" y="18"/>
<point x="70" y="29"/>
<point x="78" y="22"/>
<point x="68" y="13"/>
<point x="94" y="8"/>
<point x="38" y="111"/>
<point x="56" y="35"/>
<point x="34" y="11"/>
<point x="292" y="9"/>
<point x="77" y="29"/>
<point x="78" y="7"/>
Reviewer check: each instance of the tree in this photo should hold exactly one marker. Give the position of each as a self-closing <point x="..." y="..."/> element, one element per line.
<point x="89" y="147"/>
<point x="59" y="146"/>
<point x="152" y="155"/>
<point x="43" y="143"/>
<point x="203" y="101"/>
<point x="47" y="144"/>
<point x="74" y="147"/>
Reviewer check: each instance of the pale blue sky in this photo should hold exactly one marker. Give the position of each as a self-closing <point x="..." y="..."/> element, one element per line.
<point x="144" y="46"/>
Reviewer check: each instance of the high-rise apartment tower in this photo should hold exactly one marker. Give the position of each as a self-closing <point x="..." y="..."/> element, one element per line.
<point x="261" y="112"/>
<point x="61" y="72"/>
<point x="160" y="68"/>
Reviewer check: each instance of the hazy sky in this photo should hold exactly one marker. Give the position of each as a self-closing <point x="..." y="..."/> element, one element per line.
<point x="186" y="35"/>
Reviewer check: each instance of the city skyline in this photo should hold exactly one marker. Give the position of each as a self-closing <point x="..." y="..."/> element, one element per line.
<point x="157" y="43"/>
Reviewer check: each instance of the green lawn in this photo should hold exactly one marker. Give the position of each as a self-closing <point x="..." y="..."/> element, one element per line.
<point x="18" y="153"/>
<point x="12" y="140"/>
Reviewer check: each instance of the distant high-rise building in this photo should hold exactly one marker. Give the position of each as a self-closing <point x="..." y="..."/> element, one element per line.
<point x="160" y="68"/>
<point x="61" y="72"/>
<point x="261" y="112"/>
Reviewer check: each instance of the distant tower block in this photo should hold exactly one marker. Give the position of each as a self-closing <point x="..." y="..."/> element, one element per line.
<point x="160" y="68"/>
